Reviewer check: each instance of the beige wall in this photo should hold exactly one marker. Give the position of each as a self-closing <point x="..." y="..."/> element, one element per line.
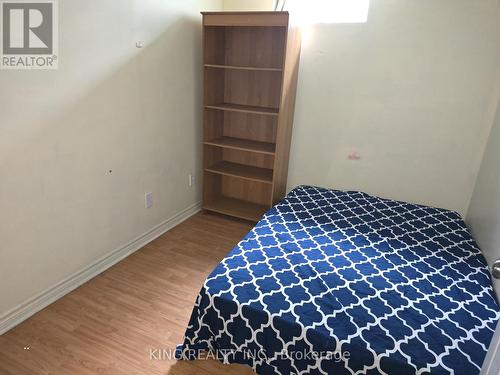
<point x="411" y="90"/>
<point x="110" y="106"/>
<point x="484" y="212"/>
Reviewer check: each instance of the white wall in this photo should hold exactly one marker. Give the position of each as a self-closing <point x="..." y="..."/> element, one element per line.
<point x="411" y="90"/>
<point x="110" y="106"/>
<point x="484" y="212"/>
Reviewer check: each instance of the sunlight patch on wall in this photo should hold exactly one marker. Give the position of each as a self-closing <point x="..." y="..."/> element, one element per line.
<point x="329" y="11"/>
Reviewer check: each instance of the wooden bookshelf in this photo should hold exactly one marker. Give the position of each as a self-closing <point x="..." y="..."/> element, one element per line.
<point x="242" y="67"/>
<point x="243" y="145"/>
<point x="250" y="62"/>
<point x="236" y="207"/>
<point x="242" y="171"/>
<point x="244" y="108"/>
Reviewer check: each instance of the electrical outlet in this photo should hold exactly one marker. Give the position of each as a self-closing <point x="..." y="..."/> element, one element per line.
<point x="148" y="200"/>
<point x="190" y="180"/>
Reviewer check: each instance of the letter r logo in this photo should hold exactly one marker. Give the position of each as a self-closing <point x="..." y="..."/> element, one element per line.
<point x="27" y="28"/>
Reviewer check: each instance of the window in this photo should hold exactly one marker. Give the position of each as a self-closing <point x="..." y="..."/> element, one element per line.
<point x="327" y="11"/>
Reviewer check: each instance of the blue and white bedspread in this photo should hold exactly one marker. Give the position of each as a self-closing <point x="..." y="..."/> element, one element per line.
<point x="332" y="282"/>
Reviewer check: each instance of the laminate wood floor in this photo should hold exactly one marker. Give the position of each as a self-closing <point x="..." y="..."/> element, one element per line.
<point x="110" y="324"/>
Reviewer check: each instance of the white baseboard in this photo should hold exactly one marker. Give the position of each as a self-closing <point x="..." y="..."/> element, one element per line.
<point x="26" y="309"/>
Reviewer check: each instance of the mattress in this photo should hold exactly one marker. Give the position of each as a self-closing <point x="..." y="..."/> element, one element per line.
<point x="334" y="282"/>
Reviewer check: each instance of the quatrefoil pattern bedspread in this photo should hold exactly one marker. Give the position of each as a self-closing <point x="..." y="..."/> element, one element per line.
<point x="332" y="282"/>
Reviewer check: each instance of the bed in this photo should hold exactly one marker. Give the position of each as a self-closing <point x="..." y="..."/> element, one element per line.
<point x="333" y="282"/>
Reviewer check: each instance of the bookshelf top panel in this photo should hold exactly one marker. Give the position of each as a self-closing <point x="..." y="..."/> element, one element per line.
<point x="245" y="18"/>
